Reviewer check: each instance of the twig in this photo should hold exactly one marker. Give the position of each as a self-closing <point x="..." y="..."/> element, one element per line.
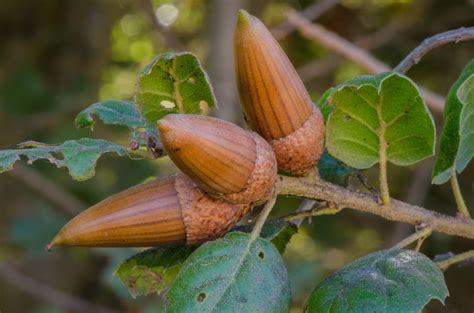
<point x="170" y="40"/>
<point x="306" y="205"/>
<point x="433" y="42"/>
<point x="365" y="181"/>
<point x="311" y="13"/>
<point x="37" y="289"/>
<point x="263" y="217"/>
<point x="57" y="195"/>
<point x="443" y="265"/>
<point x="462" y="208"/>
<point x="317" y="211"/>
<point x="350" y="51"/>
<point x="417" y="236"/>
<point x="395" y="211"/>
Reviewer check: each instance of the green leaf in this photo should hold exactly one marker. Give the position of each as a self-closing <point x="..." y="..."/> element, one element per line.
<point x="174" y="83"/>
<point x="371" y="110"/>
<point x="79" y="156"/>
<point x="324" y="105"/>
<point x="333" y="170"/>
<point x="388" y="281"/>
<point x="277" y="231"/>
<point x="153" y="270"/>
<point x="232" y="274"/>
<point x="115" y="112"/>
<point x="456" y="146"/>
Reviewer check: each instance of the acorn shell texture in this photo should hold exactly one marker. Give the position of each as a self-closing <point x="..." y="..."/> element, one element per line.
<point x="274" y="100"/>
<point x="170" y="210"/>
<point x="223" y="159"/>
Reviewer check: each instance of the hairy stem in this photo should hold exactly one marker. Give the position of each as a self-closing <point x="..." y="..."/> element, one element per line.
<point x="462" y="208"/>
<point x="263" y="217"/>
<point x="396" y="211"/>
<point x="443" y="265"/>
<point x="383" y="162"/>
<point x="422" y="234"/>
<point x="322" y="210"/>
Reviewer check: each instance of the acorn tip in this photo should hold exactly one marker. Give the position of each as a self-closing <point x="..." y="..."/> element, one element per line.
<point x="243" y="16"/>
<point x="49" y="247"/>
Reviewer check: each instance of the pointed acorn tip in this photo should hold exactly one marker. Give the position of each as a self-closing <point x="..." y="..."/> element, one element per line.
<point x="49" y="247"/>
<point x="243" y="17"/>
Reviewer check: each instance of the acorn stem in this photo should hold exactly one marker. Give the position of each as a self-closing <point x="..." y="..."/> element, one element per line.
<point x="267" y="208"/>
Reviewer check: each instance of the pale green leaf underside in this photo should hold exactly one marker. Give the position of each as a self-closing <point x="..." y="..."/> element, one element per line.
<point x="456" y="147"/>
<point x="387" y="106"/>
<point x="389" y="281"/>
<point x="79" y="156"/>
<point x="174" y="83"/>
<point x="153" y="270"/>
<point x="229" y="275"/>
<point x="115" y="112"/>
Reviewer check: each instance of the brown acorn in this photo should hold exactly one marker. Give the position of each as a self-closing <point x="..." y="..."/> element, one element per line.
<point x="274" y="100"/>
<point x="223" y="159"/>
<point x="171" y="210"/>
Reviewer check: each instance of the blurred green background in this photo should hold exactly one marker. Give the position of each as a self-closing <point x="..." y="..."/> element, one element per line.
<point x="59" y="56"/>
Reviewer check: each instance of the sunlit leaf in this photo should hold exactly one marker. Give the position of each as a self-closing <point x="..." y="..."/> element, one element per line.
<point x="389" y="281"/>
<point x="116" y="112"/>
<point x="232" y="274"/>
<point x="153" y="270"/>
<point x="371" y="110"/>
<point x="79" y="156"/>
<point x="456" y="147"/>
<point x="174" y="83"/>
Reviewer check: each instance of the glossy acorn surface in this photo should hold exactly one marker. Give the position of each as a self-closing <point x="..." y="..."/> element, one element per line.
<point x="223" y="159"/>
<point x="170" y="210"/>
<point x="274" y="100"/>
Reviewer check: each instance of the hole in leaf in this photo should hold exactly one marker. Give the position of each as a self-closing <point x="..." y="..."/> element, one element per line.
<point x="201" y="297"/>
<point x="261" y="255"/>
<point x="347" y="118"/>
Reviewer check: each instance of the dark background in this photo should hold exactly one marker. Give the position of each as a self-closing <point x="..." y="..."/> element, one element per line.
<point x="59" y="56"/>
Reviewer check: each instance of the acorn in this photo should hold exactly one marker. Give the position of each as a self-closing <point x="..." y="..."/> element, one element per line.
<point x="224" y="160"/>
<point x="170" y="210"/>
<point x="274" y="100"/>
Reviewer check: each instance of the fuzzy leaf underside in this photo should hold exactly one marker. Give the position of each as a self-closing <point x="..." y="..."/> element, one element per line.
<point x="371" y="109"/>
<point x="79" y="156"/>
<point x="388" y="281"/>
<point x="232" y="274"/>
<point x="174" y="83"/>
<point x="154" y="270"/>
<point x="456" y="147"/>
<point x="114" y="112"/>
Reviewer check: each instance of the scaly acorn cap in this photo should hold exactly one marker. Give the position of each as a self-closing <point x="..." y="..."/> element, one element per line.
<point x="170" y="210"/>
<point x="223" y="159"/>
<point x="274" y="100"/>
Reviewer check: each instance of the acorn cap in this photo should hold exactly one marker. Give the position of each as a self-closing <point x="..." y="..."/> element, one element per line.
<point x="223" y="159"/>
<point x="170" y="210"/>
<point x="273" y="97"/>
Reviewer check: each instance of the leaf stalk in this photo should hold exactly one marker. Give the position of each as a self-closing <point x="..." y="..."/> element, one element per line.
<point x="462" y="208"/>
<point x="443" y="265"/>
